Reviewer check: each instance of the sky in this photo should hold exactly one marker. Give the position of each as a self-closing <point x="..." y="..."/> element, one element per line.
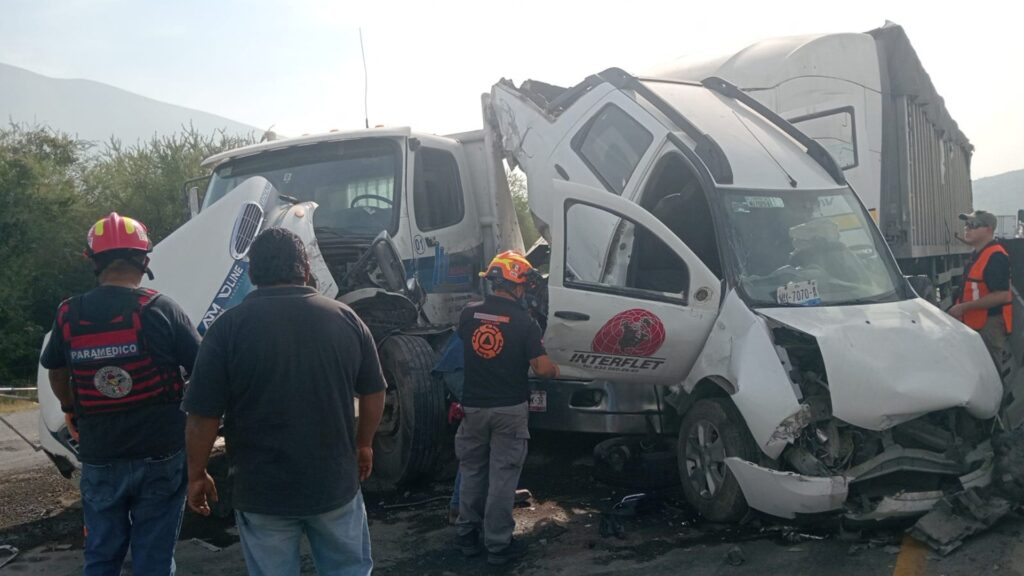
<point x="296" y="65"/>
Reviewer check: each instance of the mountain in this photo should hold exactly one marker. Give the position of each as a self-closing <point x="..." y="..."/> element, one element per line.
<point x="96" y="111"/>
<point x="1002" y="194"/>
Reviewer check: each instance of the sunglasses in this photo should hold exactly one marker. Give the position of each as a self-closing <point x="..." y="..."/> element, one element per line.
<point x="974" y="224"/>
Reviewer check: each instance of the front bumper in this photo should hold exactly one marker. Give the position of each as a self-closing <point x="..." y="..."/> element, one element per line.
<point x="789" y="494"/>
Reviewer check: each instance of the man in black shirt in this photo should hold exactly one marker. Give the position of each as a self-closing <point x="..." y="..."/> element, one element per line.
<point x="502" y="342"/>
<point x="984" y="302"/>
<point x="115" y="358"/>
<point x="282" y="368"/>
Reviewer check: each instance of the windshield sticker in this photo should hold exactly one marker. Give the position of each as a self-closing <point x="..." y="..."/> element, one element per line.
<point x="763" y="202"/>
<point x="799" y="293"/>
<point x="626" y="343"/>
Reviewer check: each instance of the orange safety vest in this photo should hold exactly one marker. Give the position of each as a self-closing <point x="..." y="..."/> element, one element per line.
<point x="976" y="289"/>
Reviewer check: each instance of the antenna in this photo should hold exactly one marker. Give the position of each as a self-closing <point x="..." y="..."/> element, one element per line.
<point x="366" y="113"/>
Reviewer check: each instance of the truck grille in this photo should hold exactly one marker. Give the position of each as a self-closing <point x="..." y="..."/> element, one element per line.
<point x="247" y="225"/>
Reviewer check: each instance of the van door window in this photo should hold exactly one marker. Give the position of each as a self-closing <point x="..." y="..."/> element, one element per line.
<point x="673" y="195"/>
<point x="437" y="193"/>
<point x="611" y="144"/>
<point x="630" y="260"/>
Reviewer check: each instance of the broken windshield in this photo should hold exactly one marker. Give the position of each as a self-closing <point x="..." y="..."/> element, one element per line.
<point x="354" y="182"/>
<point x="808" y="248"/>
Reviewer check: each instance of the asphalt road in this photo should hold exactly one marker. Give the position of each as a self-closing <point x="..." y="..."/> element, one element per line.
<point x="560" y="524"/>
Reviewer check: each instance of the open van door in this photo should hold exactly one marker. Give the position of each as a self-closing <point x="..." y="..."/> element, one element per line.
<point x="628" y="300"/>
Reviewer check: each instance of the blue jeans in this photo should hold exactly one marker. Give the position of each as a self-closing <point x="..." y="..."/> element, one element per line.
<point x="137" y="503"/>
<point x="339" y="540"/>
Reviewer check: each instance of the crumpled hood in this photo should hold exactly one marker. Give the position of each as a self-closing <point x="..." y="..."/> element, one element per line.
<point x="890" y="363"/>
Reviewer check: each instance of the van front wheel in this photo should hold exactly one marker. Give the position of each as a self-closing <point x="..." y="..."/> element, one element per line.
<point x="711" y="431"/>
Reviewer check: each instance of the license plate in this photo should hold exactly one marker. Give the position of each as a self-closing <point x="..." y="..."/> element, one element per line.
<point x="538" y="401"/>
<point x="802" y="293"/>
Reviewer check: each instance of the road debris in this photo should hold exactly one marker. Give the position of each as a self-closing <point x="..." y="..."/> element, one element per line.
<point x="414" y="504"/>
<point x="206" y="545"/>
<point x="9" y="553"/>
<point x="735" y="556"/>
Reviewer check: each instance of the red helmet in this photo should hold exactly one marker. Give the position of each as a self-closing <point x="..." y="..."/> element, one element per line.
<point x="116" y="232"/>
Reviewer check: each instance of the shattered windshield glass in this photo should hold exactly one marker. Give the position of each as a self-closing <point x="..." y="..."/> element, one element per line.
<point x="808" y="248"/>
<point x="354" y="182"/>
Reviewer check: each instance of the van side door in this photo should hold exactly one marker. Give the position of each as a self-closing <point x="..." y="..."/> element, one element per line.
<point x="627" y="304"/>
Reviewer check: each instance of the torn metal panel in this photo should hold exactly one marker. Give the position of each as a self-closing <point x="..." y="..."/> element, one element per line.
<point x="890" y="363"/>
<point x="529" y="137"/>
<point x="740" y="350"/>
<point x="903" y="504"/>
<point x="955" y="518"/>
<point x="900" y="459"/>
<point x="786" y="494"/>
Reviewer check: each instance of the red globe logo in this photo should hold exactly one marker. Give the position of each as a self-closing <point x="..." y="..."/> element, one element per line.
<point x="635" y="332"/>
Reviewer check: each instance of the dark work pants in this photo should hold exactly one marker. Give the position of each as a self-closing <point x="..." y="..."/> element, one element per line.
<point x="491" y="447"/>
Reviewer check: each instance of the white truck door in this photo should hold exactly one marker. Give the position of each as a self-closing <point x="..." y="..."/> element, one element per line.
<point x="446" y="240"/>
<point x="636" y="307"/>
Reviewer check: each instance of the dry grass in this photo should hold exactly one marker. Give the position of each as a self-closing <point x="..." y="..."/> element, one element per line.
<point x="10" y="405"/>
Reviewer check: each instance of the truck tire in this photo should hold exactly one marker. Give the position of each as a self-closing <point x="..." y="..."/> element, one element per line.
<point x="711" y="431"/>
<point x="413" y="431"/>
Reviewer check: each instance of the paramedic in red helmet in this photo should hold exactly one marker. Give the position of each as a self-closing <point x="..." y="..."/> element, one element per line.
<point x="501" y="343"/>
<point x="117" y="357"/>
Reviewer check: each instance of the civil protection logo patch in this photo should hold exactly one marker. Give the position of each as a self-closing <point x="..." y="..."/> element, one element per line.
<point x="112" y="382"/>
<point x="488" y="341"/>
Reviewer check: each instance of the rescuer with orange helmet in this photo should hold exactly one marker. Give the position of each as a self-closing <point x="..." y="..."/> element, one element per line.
<point x="501" y="343"/>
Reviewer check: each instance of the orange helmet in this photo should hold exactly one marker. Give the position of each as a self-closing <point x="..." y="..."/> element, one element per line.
<point x="116" y="232"/>
<point x="509" y="266"/>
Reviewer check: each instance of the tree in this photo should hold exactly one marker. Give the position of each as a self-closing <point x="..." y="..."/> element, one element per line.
<point x="144" y="180"/>
<point x="517" y="184"/>
<point x="51" y="192"/>
<point x="42" y="225"/>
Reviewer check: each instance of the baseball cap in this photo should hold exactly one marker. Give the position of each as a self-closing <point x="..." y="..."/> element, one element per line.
<point x="980" y="216"/>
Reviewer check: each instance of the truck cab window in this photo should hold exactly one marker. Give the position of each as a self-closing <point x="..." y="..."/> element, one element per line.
<point x="437" y="190"/>
<point x="607" y="253"/>
<point x="611" y="144"/>
<point x="353" y="182"/>
<point x="674" y="196"/>
<point x="833" y="129"/>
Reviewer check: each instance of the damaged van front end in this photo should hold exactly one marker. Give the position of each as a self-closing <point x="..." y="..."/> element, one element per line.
<point x="875" y="411"/>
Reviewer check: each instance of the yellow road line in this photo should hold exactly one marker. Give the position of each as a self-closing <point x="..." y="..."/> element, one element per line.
<point x="913" y="558"/>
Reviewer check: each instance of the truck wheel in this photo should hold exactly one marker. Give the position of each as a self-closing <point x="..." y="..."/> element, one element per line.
<point x="413" y="429"/>
<point x="711" y="431"/>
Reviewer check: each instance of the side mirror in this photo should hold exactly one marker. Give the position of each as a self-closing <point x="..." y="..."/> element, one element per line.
<point x="194" y="189"/>
<point x="923" y="286"/>
<point x="193" y="201"/>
